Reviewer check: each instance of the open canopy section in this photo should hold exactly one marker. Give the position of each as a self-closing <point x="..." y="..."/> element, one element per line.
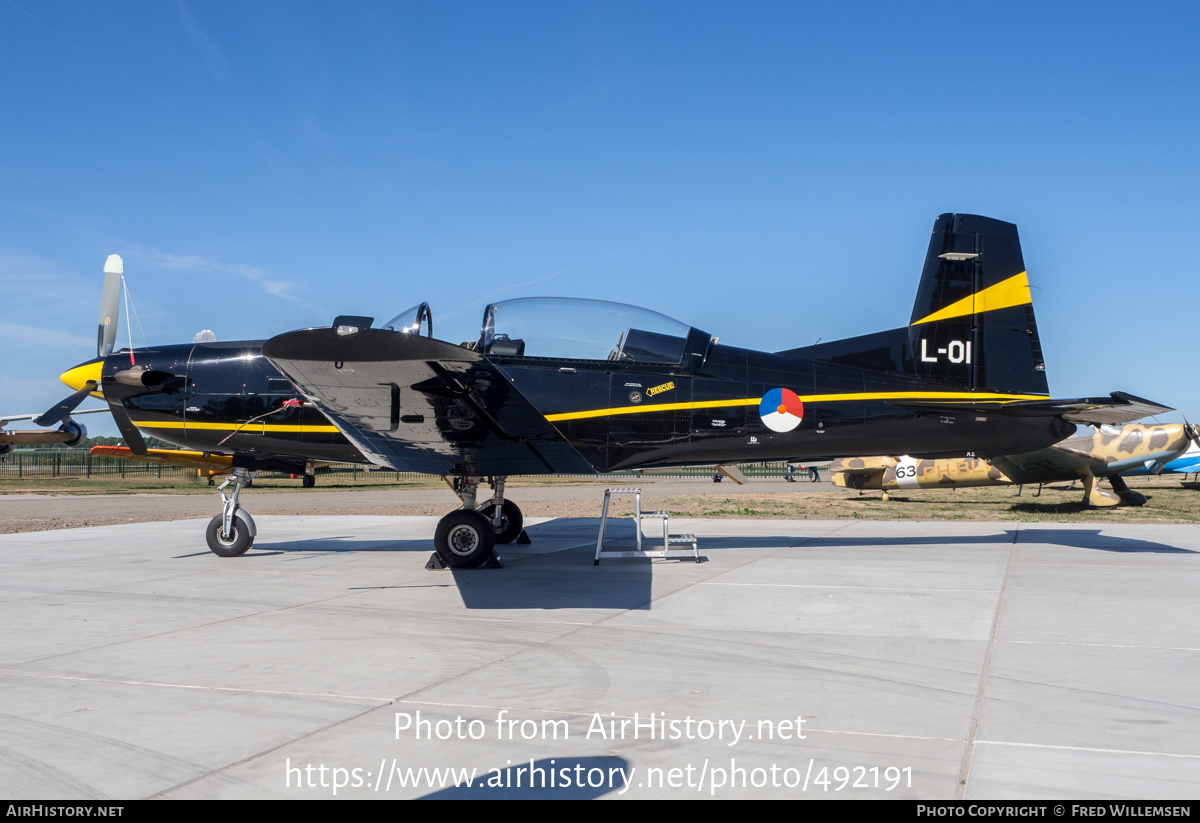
<point x="561" y="327"/>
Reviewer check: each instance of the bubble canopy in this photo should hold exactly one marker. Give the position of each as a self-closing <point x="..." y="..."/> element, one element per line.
<point x="417" y="320"/>
<point x="562" y="327"/>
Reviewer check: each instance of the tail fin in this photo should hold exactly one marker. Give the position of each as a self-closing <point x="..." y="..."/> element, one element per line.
<point x="972" y="323"/>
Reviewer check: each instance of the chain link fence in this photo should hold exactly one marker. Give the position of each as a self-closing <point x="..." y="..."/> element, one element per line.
<point x="22" y="464"/>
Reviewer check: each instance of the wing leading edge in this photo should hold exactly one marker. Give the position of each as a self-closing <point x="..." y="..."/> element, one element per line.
<point x="414" y="403"/>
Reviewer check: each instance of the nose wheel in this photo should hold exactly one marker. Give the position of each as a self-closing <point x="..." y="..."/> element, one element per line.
<point x="234" y="543"/>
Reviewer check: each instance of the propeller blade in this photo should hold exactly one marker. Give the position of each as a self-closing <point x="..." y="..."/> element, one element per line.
<point x="110" y="305"/>
<point x="1193" y="431"/>
<point x="133" y="437"/>
<point x="60" y="412"/>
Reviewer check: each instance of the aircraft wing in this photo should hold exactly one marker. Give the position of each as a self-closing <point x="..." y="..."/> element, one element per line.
<point x="36" y="437"/>
<point x="169" y="457"/>
<point x="414" y="403"/>
<point x="5" y="419"/>
<point x="1046" y="465"/>
<point x="1114" y="410"/>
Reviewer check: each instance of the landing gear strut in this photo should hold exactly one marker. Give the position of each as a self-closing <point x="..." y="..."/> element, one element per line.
<point x="466" y="538"/>
<point x="1128" y="496"/>
<point x="504" y="515"/>
<point x="232" y="532"/>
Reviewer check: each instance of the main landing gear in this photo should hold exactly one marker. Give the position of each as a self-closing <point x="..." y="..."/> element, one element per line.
<point x="232" y="532"/>
<point x="467" y="538"/>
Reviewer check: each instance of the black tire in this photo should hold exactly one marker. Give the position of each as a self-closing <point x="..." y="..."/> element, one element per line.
<point x="464" y="539"/>
<point x="309" y="481"/>
<point x="238" y="543"/>
<point x="511" y="521"/>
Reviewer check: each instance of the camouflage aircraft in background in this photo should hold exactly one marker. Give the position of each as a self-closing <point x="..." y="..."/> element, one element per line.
<point x="1107" y="453"/>
<point x="1187" y="463"/>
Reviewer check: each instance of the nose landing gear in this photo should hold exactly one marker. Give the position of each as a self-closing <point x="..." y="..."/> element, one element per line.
<point x="232" y="532"/>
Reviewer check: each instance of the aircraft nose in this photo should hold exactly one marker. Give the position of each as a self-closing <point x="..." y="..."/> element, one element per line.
<point x="77" y="377"/>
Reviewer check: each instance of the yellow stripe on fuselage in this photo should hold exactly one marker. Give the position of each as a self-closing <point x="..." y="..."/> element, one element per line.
<point x="1011" y="292"/>
<point x="950" y="397"/>
<point x="254" y="427"/>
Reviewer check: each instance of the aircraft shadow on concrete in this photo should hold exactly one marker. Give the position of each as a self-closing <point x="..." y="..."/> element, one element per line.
<point x="558" y="778"/>
<point x="563" y="576"/>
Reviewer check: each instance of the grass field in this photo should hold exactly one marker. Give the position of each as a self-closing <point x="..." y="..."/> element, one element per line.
<point x="1169" y="501"/>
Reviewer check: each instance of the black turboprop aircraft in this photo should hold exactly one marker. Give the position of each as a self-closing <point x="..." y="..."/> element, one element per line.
<point x="578" y="386"/>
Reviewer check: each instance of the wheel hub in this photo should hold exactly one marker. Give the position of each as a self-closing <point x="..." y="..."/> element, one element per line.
<point x="463" y="540"/>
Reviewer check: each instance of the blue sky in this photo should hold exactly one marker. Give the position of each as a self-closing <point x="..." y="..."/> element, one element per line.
<point x="768" y="172"/>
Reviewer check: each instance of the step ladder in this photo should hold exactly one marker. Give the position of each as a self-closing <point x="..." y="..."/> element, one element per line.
<point x="669" y="539"/>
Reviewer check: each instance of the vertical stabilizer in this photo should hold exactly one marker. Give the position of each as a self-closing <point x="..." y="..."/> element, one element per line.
<point x="972" y="324"/>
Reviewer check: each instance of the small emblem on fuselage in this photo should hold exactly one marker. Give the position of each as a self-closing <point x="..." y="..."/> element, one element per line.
<point x="635" y="397"/>
<point x="659" y="389"/>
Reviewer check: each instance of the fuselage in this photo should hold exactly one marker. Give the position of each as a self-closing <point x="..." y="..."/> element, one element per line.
<point x="615" y="415"/>
<point x="629" y="416"/>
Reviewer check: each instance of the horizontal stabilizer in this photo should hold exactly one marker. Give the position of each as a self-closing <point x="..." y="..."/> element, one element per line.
<point x="1115" y="410"/>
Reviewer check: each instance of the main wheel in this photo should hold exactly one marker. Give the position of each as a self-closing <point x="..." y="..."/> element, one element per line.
<point x="464" y="539"/>
<point x="237" y="544"/>
<point x="511" y="520"/>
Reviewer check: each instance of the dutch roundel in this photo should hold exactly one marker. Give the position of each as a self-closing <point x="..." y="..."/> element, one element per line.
<point x="781" y="410"/>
